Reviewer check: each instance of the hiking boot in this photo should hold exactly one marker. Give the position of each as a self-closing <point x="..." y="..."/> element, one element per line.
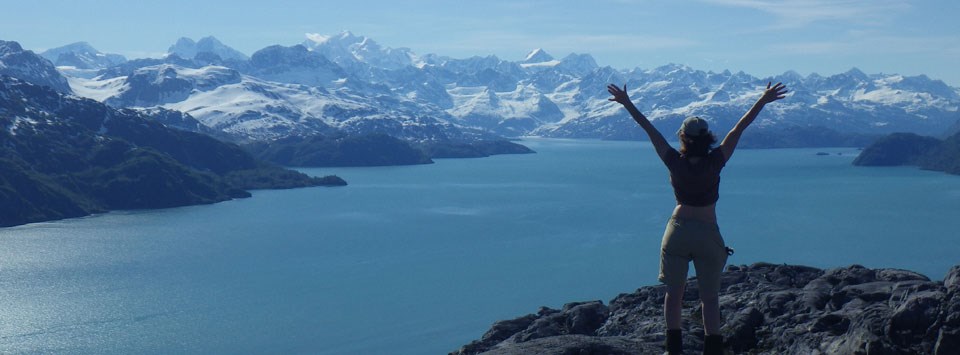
<point x="713" y="345"/>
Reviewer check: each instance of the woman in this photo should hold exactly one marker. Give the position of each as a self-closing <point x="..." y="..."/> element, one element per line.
<point x="692" y="233"/>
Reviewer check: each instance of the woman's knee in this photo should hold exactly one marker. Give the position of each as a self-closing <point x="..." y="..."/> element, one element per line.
<point x="710" y="298"/>
<point x="674" y="294"/>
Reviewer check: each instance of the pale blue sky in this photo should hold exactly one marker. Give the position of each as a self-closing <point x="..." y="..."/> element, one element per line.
<point x="760" y="37"/>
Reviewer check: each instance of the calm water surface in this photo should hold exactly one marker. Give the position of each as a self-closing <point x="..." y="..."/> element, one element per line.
<point x="422" y="259"/>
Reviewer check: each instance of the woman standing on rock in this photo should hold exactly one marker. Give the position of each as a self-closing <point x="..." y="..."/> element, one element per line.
<point x="692" y="233"/>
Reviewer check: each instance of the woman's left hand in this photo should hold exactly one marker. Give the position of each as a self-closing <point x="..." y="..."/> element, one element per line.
<point x="619" y="95"/>
<point x="774" y="93"/>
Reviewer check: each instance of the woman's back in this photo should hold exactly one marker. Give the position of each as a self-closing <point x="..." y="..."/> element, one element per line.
<point x="696" y="184"/>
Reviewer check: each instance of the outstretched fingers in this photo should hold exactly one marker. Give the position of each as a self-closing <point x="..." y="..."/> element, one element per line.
<point x="775" y="92"/>
<point x="619" y="95"/>
<point x="780" y="90"/>
<point x="613" y="89"/>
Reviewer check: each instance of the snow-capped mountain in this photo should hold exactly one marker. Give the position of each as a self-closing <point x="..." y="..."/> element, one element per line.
<point x="296" y="65"/>
<point x="81" y="55"/>
<point x="30" y="67"/>
<point x="187" y="48"/>
<point x="350" y="82"/>
<point x="578" y="64"/>
<point x="250" y="108"/>
<point x="537" y="56"/>
<point x="846" y="102"/>
<point x="350" y="51"/>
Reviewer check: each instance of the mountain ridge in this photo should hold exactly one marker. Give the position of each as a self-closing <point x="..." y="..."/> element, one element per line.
<point x="566" y="98"/>
<point x="81" y="55"/>
<point x="187" y="48"/>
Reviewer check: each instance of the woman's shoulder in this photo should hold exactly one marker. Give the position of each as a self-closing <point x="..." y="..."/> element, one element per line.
<point x="670" y="155"/>
<point x="717" y="157"/>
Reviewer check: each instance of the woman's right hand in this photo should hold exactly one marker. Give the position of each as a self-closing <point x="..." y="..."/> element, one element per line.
<point x="619" y="95"/>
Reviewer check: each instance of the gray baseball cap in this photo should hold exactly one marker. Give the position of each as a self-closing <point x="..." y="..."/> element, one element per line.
<point x="694" y="127"/>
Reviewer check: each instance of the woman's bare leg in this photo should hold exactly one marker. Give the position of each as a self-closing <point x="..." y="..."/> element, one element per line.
<point x="673" y="306"/>
<point x="711" y="313"/>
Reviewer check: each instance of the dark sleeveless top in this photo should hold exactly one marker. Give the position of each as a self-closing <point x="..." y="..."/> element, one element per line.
<point x="695" y="184"/>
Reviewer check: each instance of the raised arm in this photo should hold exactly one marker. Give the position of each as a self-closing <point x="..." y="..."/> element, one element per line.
<point x="771" y="94"/>
<point x="620" y="96"/>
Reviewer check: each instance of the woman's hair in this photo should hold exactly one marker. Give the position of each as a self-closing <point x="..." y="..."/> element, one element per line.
<point x="698" y="146"/>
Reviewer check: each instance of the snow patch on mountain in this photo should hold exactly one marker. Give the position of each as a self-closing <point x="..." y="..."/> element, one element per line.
<point x="551" y="63"/>
<point x="99" y="90"/>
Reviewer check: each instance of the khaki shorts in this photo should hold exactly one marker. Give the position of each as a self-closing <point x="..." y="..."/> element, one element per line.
<point x="687" y="240"/>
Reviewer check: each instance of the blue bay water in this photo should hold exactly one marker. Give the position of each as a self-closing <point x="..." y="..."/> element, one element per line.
<point x="423" y="259"/>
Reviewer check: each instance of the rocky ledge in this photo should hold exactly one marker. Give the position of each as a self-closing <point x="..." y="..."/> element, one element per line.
<point x="767" y="309"/>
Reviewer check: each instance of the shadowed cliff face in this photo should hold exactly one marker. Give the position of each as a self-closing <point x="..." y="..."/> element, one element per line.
<point x="767" y="309"/>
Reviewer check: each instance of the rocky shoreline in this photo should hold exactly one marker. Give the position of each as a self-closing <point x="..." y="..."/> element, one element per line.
<point x="767" y="309"/>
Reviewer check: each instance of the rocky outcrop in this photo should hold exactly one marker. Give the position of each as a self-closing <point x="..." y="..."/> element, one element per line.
<point x="767" y="309"/>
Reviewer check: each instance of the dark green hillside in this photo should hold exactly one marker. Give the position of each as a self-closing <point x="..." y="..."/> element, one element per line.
<point x="27" y="196"/>
<point x="897" y="149"/>
<point x="910" y="149"/>
<point x="946" y="158"/>
<point x="146" y="178"/>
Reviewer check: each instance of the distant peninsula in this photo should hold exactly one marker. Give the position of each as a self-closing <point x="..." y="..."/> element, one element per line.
<point x="376" y="149"/>
<point x="767" y="309"/>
